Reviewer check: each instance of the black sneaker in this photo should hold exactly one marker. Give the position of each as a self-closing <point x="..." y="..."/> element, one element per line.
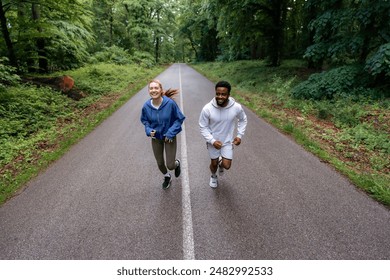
<point x="167" y="182"/>
<point x="177" y="169"/>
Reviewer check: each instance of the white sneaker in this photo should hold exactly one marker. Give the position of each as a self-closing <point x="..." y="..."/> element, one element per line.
<point x="220" y="168"/>
<point x="213" y="181"/>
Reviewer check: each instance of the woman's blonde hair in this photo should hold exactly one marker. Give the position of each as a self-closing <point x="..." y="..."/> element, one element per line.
<point x="169" y="92"/>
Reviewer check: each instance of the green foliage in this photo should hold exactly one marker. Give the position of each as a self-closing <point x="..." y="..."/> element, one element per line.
<point x="251" y="29"/>
<point x="315" y="52"/>
<point x="347" y="32"/>
<point x="197" y="29"/>
<point x="144" y="28"/>
<point x="229" y="30"/>
<point x="101" y="78"/>
<point x="379" y="62"/>
<point x="54" y="32"/>
<point x="143" y="59"/>
<point x="157" y="31"/>
<point x="344" y="112"/>
<point x="113" y="54"/>
<point x="341" y="81"/>
<point x="363" y="133"/>
<point x="30" y="109"/>
<point x="69" y="44"/>
<point x="7" y="74"/>
<point x="26" y="110"/>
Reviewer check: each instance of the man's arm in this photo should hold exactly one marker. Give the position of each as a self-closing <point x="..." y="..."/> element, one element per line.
<point x="241" y="126"/>
<point x="204" y="120"/>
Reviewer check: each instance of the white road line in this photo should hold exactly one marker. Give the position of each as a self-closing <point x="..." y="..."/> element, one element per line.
<point x="188" y="234"/>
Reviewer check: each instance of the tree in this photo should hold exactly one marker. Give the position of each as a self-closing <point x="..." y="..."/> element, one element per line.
<point x="6" y="35"/>
<point x="231" y="30"/>
<point x="40" y="40"/>
<point x="296" y="33"/>
<point x="45" y="33"/>
<point x="199" y="27"/>
<point x="352" y="32"/>
<point x="163" y="28"/>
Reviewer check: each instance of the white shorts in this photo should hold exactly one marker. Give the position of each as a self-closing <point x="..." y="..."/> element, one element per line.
<point x="226" y="151"/>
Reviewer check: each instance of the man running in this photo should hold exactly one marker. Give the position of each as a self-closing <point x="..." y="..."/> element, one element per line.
<point x="217" y="124"/>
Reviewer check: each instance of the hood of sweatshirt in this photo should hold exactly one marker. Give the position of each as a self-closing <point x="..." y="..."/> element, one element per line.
<point x="163" y="103"/>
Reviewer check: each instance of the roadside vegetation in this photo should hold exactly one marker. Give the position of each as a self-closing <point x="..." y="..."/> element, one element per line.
<point x="38" y="124"/>
<point x="349" y="129"/>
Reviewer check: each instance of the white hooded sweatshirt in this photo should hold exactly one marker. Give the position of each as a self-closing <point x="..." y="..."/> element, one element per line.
<point x="218" y="123"/>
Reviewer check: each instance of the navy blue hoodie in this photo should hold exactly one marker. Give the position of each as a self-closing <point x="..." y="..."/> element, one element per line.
<point x="166" y="120"/>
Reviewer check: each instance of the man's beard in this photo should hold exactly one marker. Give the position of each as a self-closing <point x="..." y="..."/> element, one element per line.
<point x="222" y="102"/>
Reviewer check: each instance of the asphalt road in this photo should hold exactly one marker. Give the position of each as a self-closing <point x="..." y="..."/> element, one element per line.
<point x="103" y="199"/>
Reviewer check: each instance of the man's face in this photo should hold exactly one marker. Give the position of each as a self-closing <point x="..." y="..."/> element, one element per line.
<point x="222" y="96"/>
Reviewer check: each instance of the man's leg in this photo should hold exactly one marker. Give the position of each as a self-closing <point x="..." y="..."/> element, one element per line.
<point x="225" y="163"/>
<point x="214" y="166"/>
<point x="227" y="157"/>
<point x="214" y="156"/>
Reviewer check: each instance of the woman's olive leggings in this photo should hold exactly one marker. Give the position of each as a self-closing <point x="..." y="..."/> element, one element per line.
<point x="170" y="154"/>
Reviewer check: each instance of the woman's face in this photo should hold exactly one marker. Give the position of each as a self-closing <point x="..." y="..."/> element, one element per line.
<point x="155" y="90"/>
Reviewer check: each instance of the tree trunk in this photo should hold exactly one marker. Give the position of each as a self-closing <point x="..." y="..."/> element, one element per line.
<point x="40" y="43"/>
<point x="278" y="19"/>
<point x="193" y="46"/>
<point x="367" y="33"/>
<point x="157" y="49"/>
<point x="111" y="29"/>
<point x="11" y="53"/>
<point x="157" y="38"/>
<point x="312" y="14"/>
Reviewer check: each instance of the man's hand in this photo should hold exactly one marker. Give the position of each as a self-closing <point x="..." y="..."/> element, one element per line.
<point x="168" y="140"/>
<point x="153" y="133"/>
<point x="237" y="141"/>
<point x="217" y="144"/>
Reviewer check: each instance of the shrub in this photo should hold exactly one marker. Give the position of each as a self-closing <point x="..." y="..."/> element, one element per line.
<point x="7" y="74"/>
<point x="379" y="63"/>
<point x="101" y="78"/>
<point x="144" y="59"/>
<point x="338" y="81"/>
<point x="26" y="110"/>
<point x="113" y="54"/>
<point x="323" y="110"/>
<point x="347" y="113"/>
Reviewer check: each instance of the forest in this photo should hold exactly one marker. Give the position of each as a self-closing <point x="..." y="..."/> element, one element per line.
<point x="338" y="52"/>
<point x="47" y="35"/>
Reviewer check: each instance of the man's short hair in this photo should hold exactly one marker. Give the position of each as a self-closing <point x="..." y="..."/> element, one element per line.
<point x="223" y="84"/>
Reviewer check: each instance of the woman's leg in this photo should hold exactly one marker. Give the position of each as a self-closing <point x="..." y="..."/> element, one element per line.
<point x="170" y="154"/>
<point x="158" y="151"/>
